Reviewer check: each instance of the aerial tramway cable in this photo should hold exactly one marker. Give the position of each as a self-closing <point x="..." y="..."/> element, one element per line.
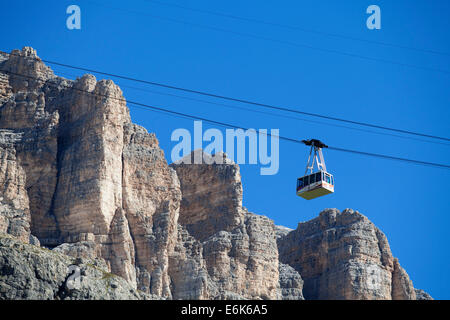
<point x="213" y="95"/>
<point x="223" y="124"/>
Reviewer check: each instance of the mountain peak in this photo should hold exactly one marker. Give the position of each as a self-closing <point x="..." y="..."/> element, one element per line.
<point x="84" y="182"/>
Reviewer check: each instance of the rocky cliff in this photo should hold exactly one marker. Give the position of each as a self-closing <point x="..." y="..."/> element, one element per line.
<point x="83" y="186"/>
<point x="342" y="255"/>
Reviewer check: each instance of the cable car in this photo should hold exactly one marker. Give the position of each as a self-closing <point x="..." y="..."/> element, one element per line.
<point x="315" y="184"/>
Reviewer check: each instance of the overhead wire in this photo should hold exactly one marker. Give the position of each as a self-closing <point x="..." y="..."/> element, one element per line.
<point x="302" y="29"/>
<point x="284" y="116"/>
<point x="227" y="125"/>
<point x="269" y="113"/>
<point x="264" y="105"/>
<point x="285" y="42"/>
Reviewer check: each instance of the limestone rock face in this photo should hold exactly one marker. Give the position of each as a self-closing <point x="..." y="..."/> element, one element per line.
<point x="239" y="248"/>
<point x="244" y="260"/>
<point x="281" y="231"/>
<point x="30" y="272"/>
<point x="236" y="264"/>
<point x="402" y="286"/>
<point x="14" y="204"/>
<point x="37" y="153"/>
<point x="291" y="283"/>
<point x="187" y="268"/>
<point x="79" y="173"/>
<point x="26" y="74"/>
<point x="83" y="249"/>
<point x="119" y="249"/>
<point x="151" y="200"/>
<point x="212" y="195"/>
<point x="77" y="177"/>
<point x="90" y="144"/>
<point x="342" y="255"/>
<point x="422" y="295"/>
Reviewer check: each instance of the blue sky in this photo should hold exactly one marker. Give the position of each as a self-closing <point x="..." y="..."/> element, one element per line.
<point x="312" y="72"/>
